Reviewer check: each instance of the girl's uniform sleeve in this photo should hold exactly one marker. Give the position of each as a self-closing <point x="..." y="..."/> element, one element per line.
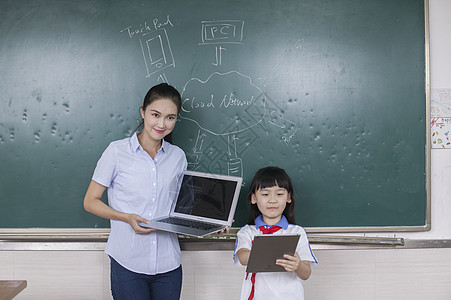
<point x="304" y="250"/>
<point x="105" y="169"/>
<point x="244" y="240"/>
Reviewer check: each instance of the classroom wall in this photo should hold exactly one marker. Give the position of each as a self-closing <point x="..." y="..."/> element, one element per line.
<point x="414" y="274"/>
<point x="342" y="274"/>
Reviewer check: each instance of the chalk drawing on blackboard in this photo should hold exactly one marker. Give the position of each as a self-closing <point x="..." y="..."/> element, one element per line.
<point x="195" y="156"/>
<point x="290" y="128"/>
<point x="222" y="31"/>
<point x="218" y="56"/>
<point x="235" y="164"/>
<point x="230" y="92"/>
<point x="225" y="107"/>
<point x="157" y="52"/>
<point x="162" y="78"/>
<point x="155" y="45"/>
<point x="213" y="155"/>
<point x="220" y="154"/>
<point x="299" y="44"/>
<point x="285" y="126"/>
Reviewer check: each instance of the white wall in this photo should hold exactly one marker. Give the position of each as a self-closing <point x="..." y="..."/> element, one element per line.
<point x="388" y="274"/>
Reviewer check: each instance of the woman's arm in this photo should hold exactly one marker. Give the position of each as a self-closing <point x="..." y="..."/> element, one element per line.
<point x="93" y="204"/>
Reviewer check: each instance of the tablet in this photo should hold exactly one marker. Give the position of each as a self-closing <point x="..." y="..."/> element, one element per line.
<point x="266" y="249"/>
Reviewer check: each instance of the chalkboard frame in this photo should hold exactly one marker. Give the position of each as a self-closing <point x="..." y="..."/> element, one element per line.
<point x="94" y="233"/>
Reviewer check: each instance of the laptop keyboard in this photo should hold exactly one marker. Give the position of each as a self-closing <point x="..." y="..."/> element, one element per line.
<point x="191" y="223"/>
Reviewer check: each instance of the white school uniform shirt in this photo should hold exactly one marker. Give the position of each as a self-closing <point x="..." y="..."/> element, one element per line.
<point x="147" y="187"/>
<point x="274" y="285"/>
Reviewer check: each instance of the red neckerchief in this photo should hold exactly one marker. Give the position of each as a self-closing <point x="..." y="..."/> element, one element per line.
<point x="265" y="230"/>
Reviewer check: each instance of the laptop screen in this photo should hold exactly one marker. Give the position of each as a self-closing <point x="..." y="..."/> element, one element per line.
<point x="205" y="197"/>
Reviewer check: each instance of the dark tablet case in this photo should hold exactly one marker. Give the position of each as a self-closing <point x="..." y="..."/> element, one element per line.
<point x="267" y="248"/>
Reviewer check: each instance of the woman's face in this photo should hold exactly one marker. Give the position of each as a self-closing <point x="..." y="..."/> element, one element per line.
<point x="159" y="118"/>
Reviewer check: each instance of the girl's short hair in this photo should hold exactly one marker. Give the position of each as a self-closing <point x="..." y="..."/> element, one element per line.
<point x="265" y="178"/>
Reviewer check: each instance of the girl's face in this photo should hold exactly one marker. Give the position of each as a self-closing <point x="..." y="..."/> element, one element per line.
<point x="159" y="118"/>
<point x="271" y="202"/>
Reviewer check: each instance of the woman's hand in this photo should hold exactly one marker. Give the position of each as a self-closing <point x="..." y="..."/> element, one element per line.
<point x="223" y="231"/>
<point x="134" y="220"/>
<point x="226" y="230"/>
<point x="93" y="203"/>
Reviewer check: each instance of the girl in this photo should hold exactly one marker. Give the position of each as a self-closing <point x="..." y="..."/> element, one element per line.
<point x="142" y="175"/>
<point x="271" y="211"/>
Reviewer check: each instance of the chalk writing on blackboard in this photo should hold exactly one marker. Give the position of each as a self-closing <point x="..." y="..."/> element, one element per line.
<point x="147" y="28"/>
<point x="220" y="92"/>
<point x="237" y="104"/>
<point x="155" y="45"/>
<point x="223" y="31"/>
<point x="290" y="127"/>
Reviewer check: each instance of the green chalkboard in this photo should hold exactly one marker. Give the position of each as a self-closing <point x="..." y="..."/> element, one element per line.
<point x="333" y="91"/>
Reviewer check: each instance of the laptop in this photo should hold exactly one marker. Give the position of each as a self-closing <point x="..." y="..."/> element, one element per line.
<point x="205" y="204"/>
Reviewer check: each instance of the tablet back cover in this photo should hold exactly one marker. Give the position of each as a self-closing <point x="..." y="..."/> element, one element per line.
<point x="266" y="249"/>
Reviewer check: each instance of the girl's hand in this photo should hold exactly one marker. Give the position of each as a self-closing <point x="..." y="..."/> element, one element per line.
<point x="295" y="264"/>
<point x="290" y="263"/>
<point x="134" y="220"/>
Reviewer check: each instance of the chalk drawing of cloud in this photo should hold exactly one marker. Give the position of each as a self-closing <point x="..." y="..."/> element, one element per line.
<point x="224" y="103"/>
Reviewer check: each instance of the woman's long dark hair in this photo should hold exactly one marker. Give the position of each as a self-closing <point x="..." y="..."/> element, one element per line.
<point x="265" y="178"/>
<point x="158" y="92"/>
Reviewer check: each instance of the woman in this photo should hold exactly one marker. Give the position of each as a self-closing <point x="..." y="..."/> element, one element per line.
<point x="141" y="175"/>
